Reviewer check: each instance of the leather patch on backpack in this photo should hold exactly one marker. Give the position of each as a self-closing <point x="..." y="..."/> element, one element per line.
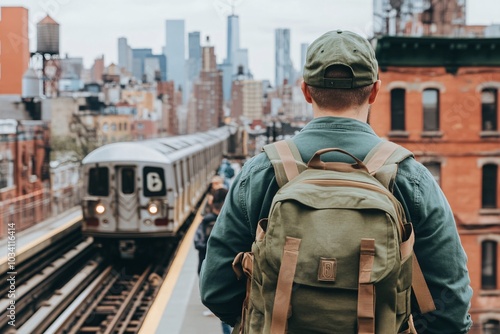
<point x="327" y="271"/>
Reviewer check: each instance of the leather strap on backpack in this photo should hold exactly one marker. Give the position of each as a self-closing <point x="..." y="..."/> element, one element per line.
<point x="382" y="162"/>
<point x="286" y="160"/>
<point x="366" y="289"/>
<point x="284" y="286"/>
<point x="243" y="266"/>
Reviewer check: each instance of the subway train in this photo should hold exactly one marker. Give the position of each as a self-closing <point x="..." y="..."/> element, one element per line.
<point x="137" y="195"/>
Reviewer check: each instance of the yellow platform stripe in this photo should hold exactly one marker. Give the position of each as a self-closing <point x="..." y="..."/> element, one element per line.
<point x="160" y="303"/>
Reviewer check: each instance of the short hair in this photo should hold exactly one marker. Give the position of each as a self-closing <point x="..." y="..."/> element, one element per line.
<point x="218" y="198"/>
<point x="337" y="98"/>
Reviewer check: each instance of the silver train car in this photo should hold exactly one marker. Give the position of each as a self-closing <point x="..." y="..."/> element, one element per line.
<point x="137" y="192"/>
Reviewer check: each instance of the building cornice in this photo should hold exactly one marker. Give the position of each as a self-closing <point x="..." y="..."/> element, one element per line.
<point x="450" y="53"/>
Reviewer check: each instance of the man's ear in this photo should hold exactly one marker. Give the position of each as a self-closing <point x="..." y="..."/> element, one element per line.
<point x="374" y="92"/>
<point x="305" y="91"/>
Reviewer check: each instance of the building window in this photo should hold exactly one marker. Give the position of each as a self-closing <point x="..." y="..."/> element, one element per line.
<point x="398" y="109"/>
<point x="489" y="109"/>
<point x="490" y="181"/>
<point x="6" y="169"/>
<point x="491" y="327"/>
<point x="430" y="102"/>
<point x="435" y="169"/>
<point x="489" y="265"/>
<point x="105" y="127"/>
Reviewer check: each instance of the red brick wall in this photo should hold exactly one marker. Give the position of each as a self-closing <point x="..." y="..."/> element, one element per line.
<point x="14" y="53"/>
<point x="461" y="151"/>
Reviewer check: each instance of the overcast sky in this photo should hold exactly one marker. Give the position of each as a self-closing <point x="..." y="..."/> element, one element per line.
<point x="89" y="28"/>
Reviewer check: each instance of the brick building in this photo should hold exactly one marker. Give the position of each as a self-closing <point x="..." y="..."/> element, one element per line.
<point x="24" y="173"/>
<point x="448" y="116"/>
<point x="14" y="51"/>
<point x="207" y="91"/>
<point x="169" y="121"/>
<point x="419" y="18"/>
<point x="246" y="100"/>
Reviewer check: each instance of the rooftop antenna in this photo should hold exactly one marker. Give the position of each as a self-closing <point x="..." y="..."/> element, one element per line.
<point x="232" y="7"/>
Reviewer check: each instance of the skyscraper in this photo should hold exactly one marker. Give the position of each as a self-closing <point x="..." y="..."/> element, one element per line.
<point x="303" y="54"/>
<point x="193" y="63"/>
<point x="233" y="41"/>
<point x="283" y="62"/>
<point x="174" y="48"/>
<point x="194" y="45"/>
<point x="151" y="68"/>
<point x="242" y="61"/>
<point x="138" y="56"/>
<point x="208" y="108"/>
<point x="124" y="54"/>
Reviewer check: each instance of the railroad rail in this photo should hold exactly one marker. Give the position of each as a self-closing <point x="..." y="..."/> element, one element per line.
<point x="81" y="290"/>
<point x="41" y="280"/>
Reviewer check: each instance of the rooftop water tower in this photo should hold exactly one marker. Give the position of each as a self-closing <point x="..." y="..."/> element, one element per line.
<point x="47" y="38"/>
<point x="47" y="53"/>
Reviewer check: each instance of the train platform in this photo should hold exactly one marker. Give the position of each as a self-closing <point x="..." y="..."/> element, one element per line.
<point x="30" y="241"/>
<point x="177" y="308"/>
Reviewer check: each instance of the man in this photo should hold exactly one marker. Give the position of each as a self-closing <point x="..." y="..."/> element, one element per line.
<point x="341" y="82"/>
<point x="216" y="184"/>
<point x="205" y="228"/>
<point x="226" y="171"/>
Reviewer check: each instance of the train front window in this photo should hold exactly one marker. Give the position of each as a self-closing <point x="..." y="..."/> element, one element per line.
<point x="98" y="181"/>
<point x="128" y="180"/>
<point x="154" y="182"/>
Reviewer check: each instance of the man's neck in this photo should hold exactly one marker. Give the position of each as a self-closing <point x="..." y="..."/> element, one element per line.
<point x="360" y="114"/>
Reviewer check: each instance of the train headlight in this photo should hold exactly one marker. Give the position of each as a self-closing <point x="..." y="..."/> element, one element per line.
<point x="99" y="209"/>
<point x="153" y="208"/>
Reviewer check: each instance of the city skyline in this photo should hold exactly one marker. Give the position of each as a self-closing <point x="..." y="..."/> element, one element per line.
<point x="144" y="26"/>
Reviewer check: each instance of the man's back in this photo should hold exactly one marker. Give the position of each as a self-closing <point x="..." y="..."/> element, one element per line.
<point x="415" y="188"/>
<point x="341" y="82"/>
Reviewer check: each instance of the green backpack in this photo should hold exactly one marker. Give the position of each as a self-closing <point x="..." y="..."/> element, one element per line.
<point x="336" y="253"/>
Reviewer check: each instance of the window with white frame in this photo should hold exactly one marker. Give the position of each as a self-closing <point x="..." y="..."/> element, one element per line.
<point x="489" y="109"/>
<point x="398" y="109"/>
<point x="489" y="265"/>
<point x="491" y="326"/>
<point x="430" y="102"/>
<point x="489" y="186"/>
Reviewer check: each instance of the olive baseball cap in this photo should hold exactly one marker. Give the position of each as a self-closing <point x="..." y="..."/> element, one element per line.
<point x="340" y="48"/>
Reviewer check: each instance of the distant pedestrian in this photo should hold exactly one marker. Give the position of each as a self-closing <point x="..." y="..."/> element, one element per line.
<point x="226" y="171"/>
<point x="207" y="224"/>
<point x="205" y="228"/>
<point x="216" y="184"/>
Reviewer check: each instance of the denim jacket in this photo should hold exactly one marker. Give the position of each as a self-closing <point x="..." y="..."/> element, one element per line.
<point x="437" y="245"/>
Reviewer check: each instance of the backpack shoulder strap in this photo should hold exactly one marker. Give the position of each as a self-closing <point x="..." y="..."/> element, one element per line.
<point x="286" y="160"/>
<point x="382" y="161"/>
